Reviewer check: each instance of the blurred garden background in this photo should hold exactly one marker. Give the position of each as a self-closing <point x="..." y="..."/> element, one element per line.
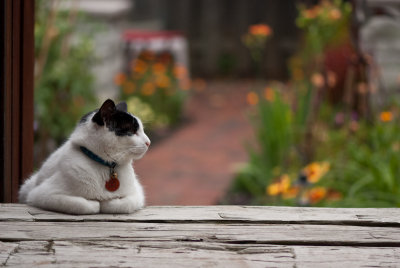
<point x="246" y="102"/>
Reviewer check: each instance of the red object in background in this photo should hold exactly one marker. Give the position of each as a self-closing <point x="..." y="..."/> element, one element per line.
<point x="337" y="60"/>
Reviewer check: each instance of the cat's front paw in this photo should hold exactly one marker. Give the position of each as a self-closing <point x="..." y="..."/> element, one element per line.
<point x="125" y="205"/>
<point x="92" y="208"/>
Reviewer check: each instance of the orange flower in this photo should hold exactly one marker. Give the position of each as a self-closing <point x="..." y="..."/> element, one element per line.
<point x="269" y="94"/>
<point x="315" y="171"/>
<point x="386" y="116"/>
<point x="180" y="71"/>
<point x="335" y="14"/>
<point x="252" y="98"/>
<point x="260" y="29"/>
<point x="317" y="80"/>
<point x="317" y="194"/>
<point x="119" y="79"/>
<point x="159" y="68"/>
<point x="148" y="89"/>
<point x="139" y="66"/>
<point x="291" y="193"/>
<point x="128" y="87"/>
<point x="309" y="14"/>
<point x="312" y="12"/>
<point x="163" y="81"/>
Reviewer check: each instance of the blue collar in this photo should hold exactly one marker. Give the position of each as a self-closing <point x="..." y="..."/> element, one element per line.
<point x="97" y="158"/>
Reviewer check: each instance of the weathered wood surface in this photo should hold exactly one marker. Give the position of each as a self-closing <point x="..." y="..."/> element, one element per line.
<point x="226" y="236"/>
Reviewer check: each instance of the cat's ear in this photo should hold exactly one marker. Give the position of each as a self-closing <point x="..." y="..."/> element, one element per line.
<point x="122" y="106"/>
<point x="105" y="112"/>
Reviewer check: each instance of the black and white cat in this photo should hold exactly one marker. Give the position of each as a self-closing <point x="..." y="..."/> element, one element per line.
<point x="92" y="172"/>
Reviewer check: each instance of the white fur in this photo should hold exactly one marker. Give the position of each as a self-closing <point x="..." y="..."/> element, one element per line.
<point x="71" y="182"/>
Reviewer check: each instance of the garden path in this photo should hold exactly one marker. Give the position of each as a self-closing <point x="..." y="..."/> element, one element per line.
<point x="196" y="163"/>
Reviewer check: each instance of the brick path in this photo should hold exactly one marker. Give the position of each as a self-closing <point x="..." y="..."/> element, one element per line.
<point x="195" y="165"/>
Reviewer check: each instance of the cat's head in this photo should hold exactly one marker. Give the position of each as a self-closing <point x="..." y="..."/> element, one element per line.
<point x="113" y="132"/>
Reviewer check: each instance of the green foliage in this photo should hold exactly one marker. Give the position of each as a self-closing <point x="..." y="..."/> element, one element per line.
<point x="158" y="82"/>
<point x="274" y="128"/>
<point x="63" y="82"/>
<point x="310" y="151"/>
<point x="367" y="170"/>
<point x="324" y="24"/>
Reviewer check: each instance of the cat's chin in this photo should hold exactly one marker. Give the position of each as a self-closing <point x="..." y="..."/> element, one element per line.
<point x="138" y="156"/>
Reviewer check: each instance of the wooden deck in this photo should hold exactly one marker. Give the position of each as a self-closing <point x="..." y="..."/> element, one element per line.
<point x="225" y="236"/>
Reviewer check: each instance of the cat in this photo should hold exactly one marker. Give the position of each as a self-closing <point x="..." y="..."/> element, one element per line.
<point x="92" y="171"/>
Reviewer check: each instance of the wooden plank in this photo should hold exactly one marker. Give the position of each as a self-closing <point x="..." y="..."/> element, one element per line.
<point x="282" y="234"/>
<point x="248" y="214"/>
<point x="225" y="236"/>
<point x="6" y="249"/>
<point x="172" y="254"/>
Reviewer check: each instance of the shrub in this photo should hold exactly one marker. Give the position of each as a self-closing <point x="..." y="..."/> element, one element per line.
<point x="158" y="81"/>
<point x="63" y="81"/>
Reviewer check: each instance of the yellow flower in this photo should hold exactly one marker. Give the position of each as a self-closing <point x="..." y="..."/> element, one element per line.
<point x="315" y="171"/>
<point x="280" y="187"/>
<point x="128" y="87"/>
<point x="148" y="89"/>
<point x="252" y="98"/>
<point x="119" y="79"/>
<point x="386" y="116"/>
<point x="269" y="94"/>
<point x="273" y="189"/>
<point x="284" y="183"/>
<point x="316" y="194"/>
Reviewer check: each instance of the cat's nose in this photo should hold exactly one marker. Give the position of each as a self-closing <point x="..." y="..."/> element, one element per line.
<point x="147" y="143"/>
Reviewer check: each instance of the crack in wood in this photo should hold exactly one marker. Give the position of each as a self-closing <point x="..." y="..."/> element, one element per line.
<point x="12" y="252"/>
<point x="49" y="247"/>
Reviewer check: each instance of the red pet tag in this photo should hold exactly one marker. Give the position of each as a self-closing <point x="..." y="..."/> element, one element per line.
<point x="113" y="183"/>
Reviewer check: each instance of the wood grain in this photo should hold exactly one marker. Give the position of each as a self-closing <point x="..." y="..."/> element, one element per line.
<point x="222" y="236"/>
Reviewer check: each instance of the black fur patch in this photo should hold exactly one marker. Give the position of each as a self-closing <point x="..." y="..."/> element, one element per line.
<point x="116" y="118"/>
<point x="123" y="124"/>
<point x="97" y="119"/>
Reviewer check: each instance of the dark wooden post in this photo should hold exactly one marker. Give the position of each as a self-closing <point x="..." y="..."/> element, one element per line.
<point x="16" y="102"/>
